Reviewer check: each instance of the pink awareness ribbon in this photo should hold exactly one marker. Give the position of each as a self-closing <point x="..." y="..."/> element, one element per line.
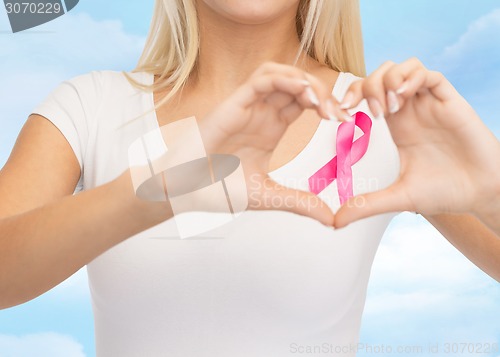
<point x="348" y="153"/>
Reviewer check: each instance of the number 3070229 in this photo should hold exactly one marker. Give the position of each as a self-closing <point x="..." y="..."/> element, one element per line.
<point x="33" y="8"/>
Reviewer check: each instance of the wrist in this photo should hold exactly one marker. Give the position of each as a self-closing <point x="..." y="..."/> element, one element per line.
<point x="212" y="135"/>
<point x="149" y="212"/>
<point x="487" y="207"/>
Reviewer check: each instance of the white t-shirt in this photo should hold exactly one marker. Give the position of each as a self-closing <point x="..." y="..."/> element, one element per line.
<point x="267" y="284"/>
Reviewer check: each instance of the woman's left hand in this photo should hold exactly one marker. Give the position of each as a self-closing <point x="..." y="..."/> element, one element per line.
<point x="449" y="158"/>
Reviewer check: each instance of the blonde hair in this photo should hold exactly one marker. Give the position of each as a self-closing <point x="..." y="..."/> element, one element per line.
<point x="329" y="31"/>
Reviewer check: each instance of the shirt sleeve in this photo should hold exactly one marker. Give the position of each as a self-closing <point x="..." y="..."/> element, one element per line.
<point x="71" y="107"/>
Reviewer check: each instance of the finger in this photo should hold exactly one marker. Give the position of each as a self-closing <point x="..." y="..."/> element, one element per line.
<point x="391" y="199"/>
<point x="290" y="108"/>
<point x="412" y="84"/>
<point x="258" y="87"/>
<point x="267" y="84"/>
<point x="327" y="107"/>
<point x="402" y="82"/>
<point x="409" y="86"/>
<point x="383" y="97"/>
<point x="305" y="204"/>
<point x="297" y="99"/>
<point x="318" y="93"/>
<point x="274" y="87"/>
<point x="280" y="100"/>
<point x="439" y="86"/>
<point x="278" y="68"/>
<point x="290" y="90"/>
<point x="353" y="96"/>
<point x="405" y="80"/>
<point x="295" y="108"/>
<point x="412" y="76"/>
<point x="433" y="82"/>
<point x="291" y="112"/>
<point x="277" y="197"/>
<point x="374" y="90"/>
<point x="398" y="77"/>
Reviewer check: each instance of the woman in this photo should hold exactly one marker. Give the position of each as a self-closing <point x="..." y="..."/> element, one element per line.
<point x="269" y="283"/>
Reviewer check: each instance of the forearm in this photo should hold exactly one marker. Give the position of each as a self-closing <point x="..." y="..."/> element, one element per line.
<point x="471" y="237"/>
<point x="42" y="247"/>
<point x="489" y="211"/>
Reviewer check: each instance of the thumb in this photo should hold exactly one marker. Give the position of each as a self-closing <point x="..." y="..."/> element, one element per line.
<point x="391" y="199"/>
<point x="277" y="197"/>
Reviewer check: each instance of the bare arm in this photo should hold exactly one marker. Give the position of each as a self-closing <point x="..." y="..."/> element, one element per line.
<point x="46" y="234"/>
<point x="471" y="237"/>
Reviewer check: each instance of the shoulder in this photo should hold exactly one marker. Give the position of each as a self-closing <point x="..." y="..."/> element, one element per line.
<point x="95" y="97"/>
<point x="103" y="91"/>
<point x="104" y="80"/>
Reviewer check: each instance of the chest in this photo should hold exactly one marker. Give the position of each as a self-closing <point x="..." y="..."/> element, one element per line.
<point x="295" y="139"/>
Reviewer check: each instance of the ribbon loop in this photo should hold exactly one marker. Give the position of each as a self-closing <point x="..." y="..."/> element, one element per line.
<point x="348" y="153"/>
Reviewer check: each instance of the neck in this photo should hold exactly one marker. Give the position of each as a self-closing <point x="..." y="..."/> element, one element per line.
<point x="230" y="51"/>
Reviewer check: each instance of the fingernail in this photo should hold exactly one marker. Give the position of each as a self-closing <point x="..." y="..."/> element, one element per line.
<point x="330" y="110"/>
<point x="403" y="88"/>
<point x="347" y="102"/>
<point x="304" y="82"/>
<point x="392" y="101"/>
<point x="313" y="98"/>
<point x="376" y="107"/>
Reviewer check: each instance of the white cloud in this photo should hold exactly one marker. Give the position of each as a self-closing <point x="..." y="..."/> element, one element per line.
<point x="70" y="45"/>
<point x="47" y="344"/>
<point x="477" y="45"/>
<point x="473" y="65"/>
<point x="422" y="290"/>
<point x="415" y="250"/>
<point x="41" y="58"/>
<point x="73" y="42"/>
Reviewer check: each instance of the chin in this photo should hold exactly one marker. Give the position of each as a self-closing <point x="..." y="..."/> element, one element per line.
<point x="252" y="12"/>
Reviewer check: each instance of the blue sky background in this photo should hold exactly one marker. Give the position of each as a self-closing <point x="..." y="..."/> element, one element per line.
<point x="422" y="291"/>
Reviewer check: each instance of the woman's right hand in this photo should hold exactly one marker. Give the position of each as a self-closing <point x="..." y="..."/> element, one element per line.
<point x="251" y="122"/>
